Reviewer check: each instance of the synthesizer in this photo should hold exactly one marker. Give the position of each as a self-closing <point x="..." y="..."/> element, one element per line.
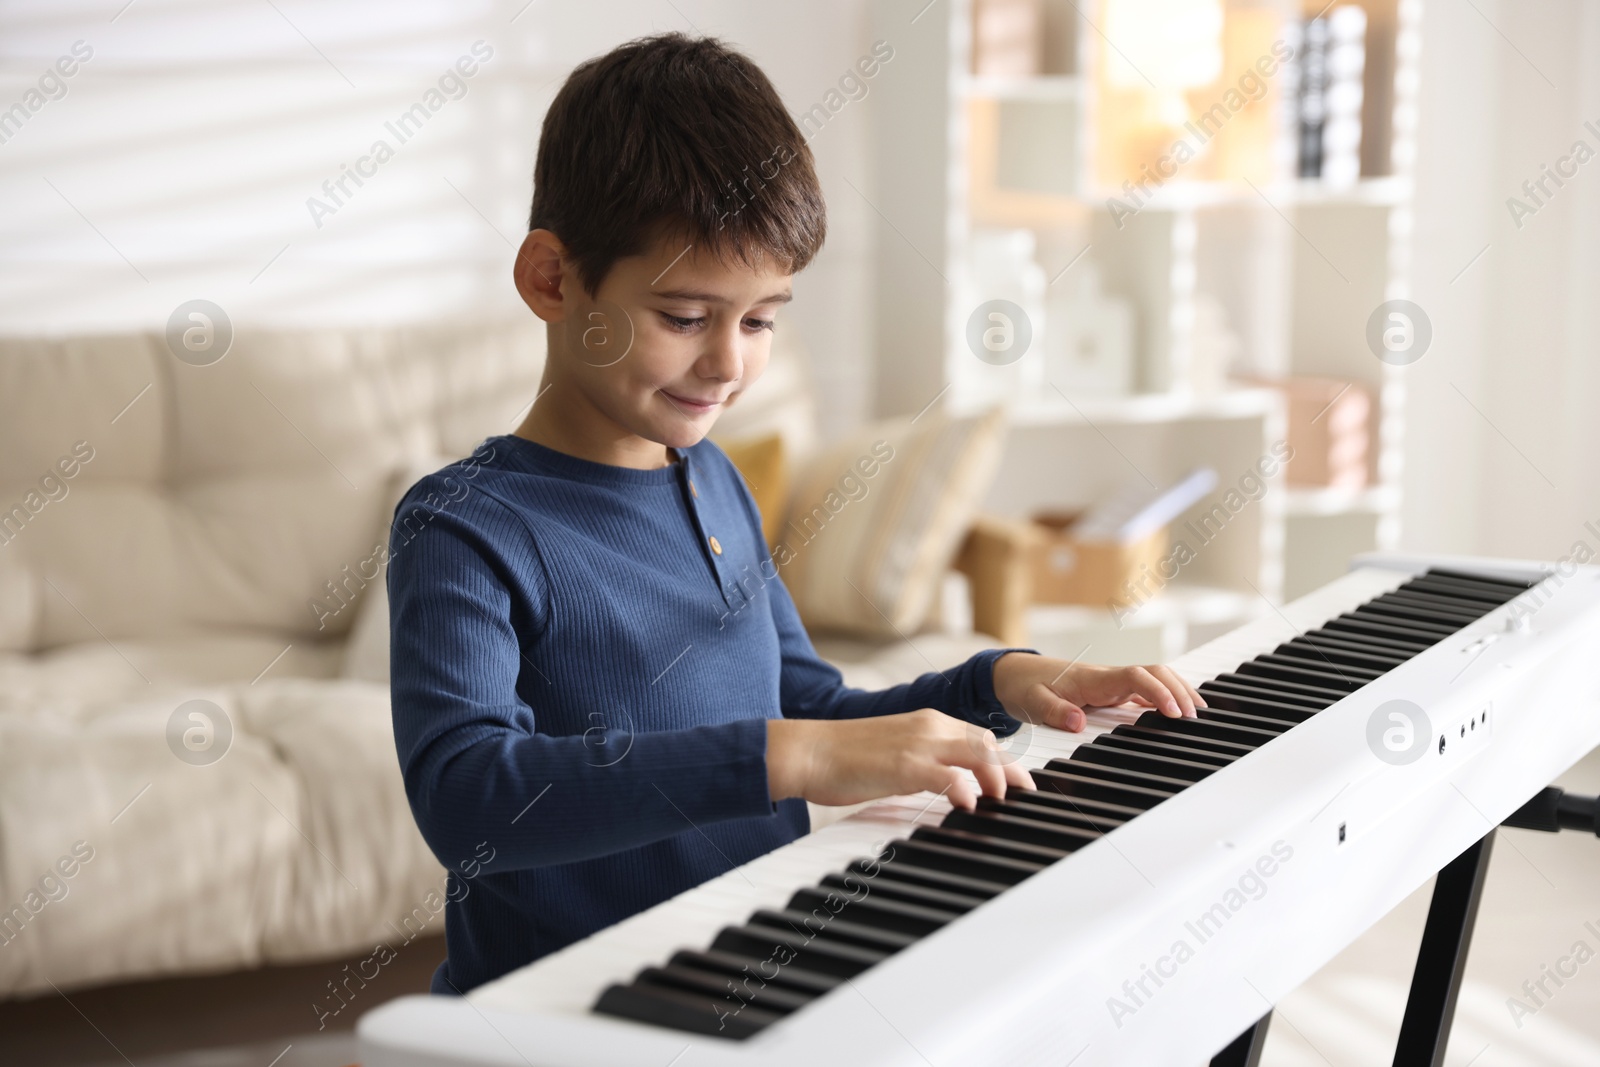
<point x="1167" y="882"/>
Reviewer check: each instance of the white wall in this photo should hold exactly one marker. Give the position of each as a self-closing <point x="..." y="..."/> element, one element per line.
<point x="1506" y="88"/>
<point x="179" y="162"/>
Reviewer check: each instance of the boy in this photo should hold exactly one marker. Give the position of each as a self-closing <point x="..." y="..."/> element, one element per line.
<point x="582" y="731"/>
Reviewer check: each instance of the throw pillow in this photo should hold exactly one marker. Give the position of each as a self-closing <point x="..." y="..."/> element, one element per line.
<point x="876" y="520"/>
<point x="761" y="461"/>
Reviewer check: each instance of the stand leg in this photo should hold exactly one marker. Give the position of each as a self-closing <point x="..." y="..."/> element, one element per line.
<point x="1246" y="1048"/>
<point x="1442" y="958"/>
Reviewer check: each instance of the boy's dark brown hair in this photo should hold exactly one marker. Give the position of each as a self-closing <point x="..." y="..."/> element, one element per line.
<point x="680" y="136"/>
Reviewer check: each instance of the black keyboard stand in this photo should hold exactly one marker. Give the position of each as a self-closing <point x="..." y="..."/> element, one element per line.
<point x="1442" y="956"/>
<point x="1555" y="809"/>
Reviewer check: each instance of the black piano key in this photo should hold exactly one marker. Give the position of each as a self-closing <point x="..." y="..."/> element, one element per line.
<point x="1382" y="644"/>
<point x="1270" y="723"/>
<point x="1512" y="585"/>
<point x="1475" y="585"/>
<point x="934" y="854"/>
<point x="1223" y="731"/>
<point x="1457" y="591"/>
<point x="1356" y="625"/>
<point x="1486" y="588"/>
<point x="898" y="916"/>
<point x="695" y="1013"/>
<point x="1258" y="687"/>
<point x="887" y="886"/>
<point x="1446" y="599"/>
<point x="1165" y="748"/>
<point x="1388" y="646"/>
<point x="1332" y="675"/>
<point x="1185" y="741"/>
<point x="730" y="996"/>
<point x="1144" y="762"/>
<point x="825" y="926"/>
<point x="1423" y="627"/>
<point x="1318" y="695"/>
<point x="1296" y="670"/>
<point x="906" y="871"/>
<point x="739" y="967"/>
<point x="989" y="845"/>
<point x="1353" y="628"/>
<point x="1409" y="608"/>
<point x="1274" y="693"/>
<point x="1014" y="828"/>
<point x="1076" y="786"/>
<point x="1333" y="651"/>
<point x="1438" y="601"/>
<point x="1327" y="650"/>
<point x="1222" y="700"/>
<point x="1015" y="803"/>
<point x="783" y="945"/>
<point x="1430" y="609"/>
<point x="1277" y="704"/>
<point x="1088" y="807"/>
<point x="1121" y="774"/>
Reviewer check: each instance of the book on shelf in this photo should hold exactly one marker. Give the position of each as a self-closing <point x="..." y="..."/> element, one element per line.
<point x="1325" y="92"/>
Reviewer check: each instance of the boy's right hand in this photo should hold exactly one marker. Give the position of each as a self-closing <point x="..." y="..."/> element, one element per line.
<point x="850" y="760"/>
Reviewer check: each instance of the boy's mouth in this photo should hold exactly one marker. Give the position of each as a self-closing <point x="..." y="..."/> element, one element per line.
<point x="692" y="405"/>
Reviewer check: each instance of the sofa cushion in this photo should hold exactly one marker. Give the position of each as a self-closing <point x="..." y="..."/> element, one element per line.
<point x="112" y="392"/>
<point x="250" y="491"/>
<point x="181" y="857"/>
<point x="360" y="871"/>
<point x="74" y="678"/>
<point x="297" y="843"/>
<point x="19" y="602"/>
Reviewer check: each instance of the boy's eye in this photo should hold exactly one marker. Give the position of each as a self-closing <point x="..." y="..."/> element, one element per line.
<point x="684" y="324"/>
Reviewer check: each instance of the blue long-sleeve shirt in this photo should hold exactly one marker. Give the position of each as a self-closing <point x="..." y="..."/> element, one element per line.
<point x="583" y="660"/>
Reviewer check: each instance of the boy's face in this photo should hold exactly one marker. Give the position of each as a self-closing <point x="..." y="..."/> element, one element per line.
<point x="669" y="340"/>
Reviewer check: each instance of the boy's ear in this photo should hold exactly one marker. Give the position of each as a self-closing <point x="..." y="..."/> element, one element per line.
<point x="537" y="273"/>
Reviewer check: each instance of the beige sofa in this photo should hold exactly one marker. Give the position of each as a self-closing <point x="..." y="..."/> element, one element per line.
<point x="167" y="532"/>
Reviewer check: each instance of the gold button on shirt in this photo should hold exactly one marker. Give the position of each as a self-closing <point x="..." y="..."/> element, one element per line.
<point x="716" y="546"/>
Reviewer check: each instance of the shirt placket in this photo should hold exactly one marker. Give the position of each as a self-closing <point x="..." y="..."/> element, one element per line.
<point x="711" y="549"/>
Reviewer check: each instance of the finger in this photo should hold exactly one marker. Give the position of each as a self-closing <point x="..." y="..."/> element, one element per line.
<point x="1155" y="692"/>
<point x="958" y="790"/>
<point x="1180" y="692"/>
<point x="1017" y="776"/>
<point x="983" y="759"/>
<point x="974" y="748"/>
<point x="1041" y="703"/>
<point x="1063" y="714"/>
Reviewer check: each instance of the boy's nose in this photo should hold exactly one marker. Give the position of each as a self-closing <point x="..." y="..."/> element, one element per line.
<point x="722" y="358"/>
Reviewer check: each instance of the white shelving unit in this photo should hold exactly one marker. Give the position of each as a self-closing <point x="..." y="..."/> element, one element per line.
<point x="1293" y="268"/>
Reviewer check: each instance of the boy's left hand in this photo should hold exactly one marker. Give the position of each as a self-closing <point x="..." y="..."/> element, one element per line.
<point x="1042" y="689"/>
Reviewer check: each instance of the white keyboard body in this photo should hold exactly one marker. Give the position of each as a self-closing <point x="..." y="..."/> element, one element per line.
<point x="1030" y="977"/>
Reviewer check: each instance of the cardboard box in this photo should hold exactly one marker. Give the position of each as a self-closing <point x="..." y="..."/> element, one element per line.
<point x="1069" y="571"/>
<point x="1330" y="431"/>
